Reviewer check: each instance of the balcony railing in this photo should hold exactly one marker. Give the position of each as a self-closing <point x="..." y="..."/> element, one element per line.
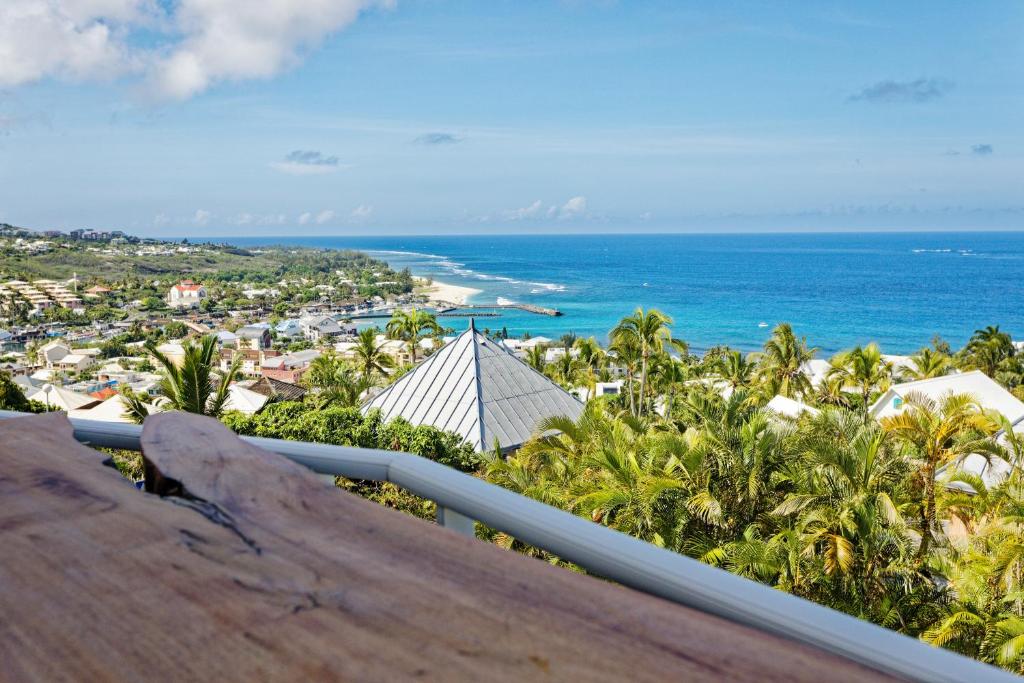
<point x="462" y="499"/>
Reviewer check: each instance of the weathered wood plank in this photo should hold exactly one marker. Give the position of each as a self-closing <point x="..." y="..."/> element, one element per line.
<point x="264" y="572"/>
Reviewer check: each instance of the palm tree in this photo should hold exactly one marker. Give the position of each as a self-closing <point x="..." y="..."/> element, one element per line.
<point x="862" y="369"/>
<point x="194" y="385"/>
<point x="987" y="349"/>
<point x="940" y="433"/>
<point x="737" y="369"/>
<point x="409" y="325"/>
<point x="335" y="380"/>
<point x="847" y="503"/>
<point x="536" y="357"/>
<point x="927" y="363"/>
<point x="370" y="359"/>
<point x="648" y="332"/>
<point x="782" y="361"/>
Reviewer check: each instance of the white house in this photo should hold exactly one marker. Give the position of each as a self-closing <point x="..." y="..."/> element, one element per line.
<point x="186" y="294"/>
<point x="318" y="327"/>
<point x="787" y="407"/>
<point x="53" y="352"/>
<point x="988" y="394"/>
<point x="74" y="362"/>
<point x="816" y="369"/>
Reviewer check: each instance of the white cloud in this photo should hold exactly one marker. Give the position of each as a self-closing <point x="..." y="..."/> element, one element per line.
<point x="573" y="208"/>
<point x="201" y="42"/>
<point x="201" y="217"/>
<point x="361" y="211"/>
<point x="525" y="212"/>
<point x="79" y="39"/>
<point x="246" y="218"/>
<point x="305" y="218"/>
<point x="324" y="216"/>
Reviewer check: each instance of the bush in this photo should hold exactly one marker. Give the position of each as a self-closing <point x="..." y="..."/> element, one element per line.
<point x="348" y="427"/>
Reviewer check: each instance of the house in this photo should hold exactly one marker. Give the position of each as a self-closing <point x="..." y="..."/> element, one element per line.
<point x="251" y="360"/>
<point x="186" y="294"/>
<point x="319" y="327"/>
<point x="113" y="409"/>
<point x="52" y="352"/>
<point x="244" y="400"/>
<point x="787" y="407"/>
<point x="985" y="391"/>
<point x="57" y="398"/>
<point x="174" y="351"/>
<point x="255" y="337"/>
<point x="816" y="369"/>
<point x="289" y="367"/>
<point x="475" y="388"/>
<point x="397" y="349"/>
<point x="270" y="387"/>
<point x="74" y="362"/>
<point x="226" y="338"/>
<point x="289" y="329"/>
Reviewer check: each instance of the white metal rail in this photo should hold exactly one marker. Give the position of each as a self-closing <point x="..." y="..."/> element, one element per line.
<point x="461" y="499"/>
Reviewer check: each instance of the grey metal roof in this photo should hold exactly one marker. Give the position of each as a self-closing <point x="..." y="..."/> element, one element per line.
<point x="477" y="389"/>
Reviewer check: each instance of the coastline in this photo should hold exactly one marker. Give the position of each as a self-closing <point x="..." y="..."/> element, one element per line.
<point x="444" y="293"/>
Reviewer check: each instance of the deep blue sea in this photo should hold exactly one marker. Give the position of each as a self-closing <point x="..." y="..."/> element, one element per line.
<point x="836" y="289"/>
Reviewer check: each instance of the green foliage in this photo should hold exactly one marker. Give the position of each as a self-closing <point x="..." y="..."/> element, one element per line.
<point x="12" y="397"/>
<point x="346" y="426"/>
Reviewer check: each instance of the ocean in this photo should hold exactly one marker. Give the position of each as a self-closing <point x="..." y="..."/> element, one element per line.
<point x="838" y="290"/>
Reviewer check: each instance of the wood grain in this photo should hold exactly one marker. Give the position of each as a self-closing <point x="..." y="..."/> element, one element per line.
<point x="263" y="572"/>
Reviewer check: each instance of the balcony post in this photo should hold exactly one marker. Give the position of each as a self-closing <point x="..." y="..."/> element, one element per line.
<point x="460" y="524"/>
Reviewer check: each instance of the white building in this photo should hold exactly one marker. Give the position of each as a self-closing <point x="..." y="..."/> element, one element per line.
<point x="319" y="327"/>
<point x="985" y="391"/>
<point x="186" y="294"/>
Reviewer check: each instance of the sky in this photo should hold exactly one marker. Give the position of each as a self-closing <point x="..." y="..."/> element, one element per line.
<point x="279" y="117"/>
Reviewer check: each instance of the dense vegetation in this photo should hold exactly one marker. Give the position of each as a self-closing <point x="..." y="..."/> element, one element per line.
<point x="834" y="507"/>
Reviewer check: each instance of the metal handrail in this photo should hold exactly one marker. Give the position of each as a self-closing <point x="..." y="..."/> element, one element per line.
<point x="608" y="553"/>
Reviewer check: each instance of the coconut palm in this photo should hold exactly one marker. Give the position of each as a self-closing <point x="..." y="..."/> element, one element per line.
<point x="193" y="385"/>
<point x="335" y="380"/>
<point x="370" y="359"/>
<point x="926" y="364"/>
<point x="940" y="433"/>
<point x="409" y="326"/>
<point x="737" y="369"/>
<point x="781" y="363"/>
<point x="648" y="332"/>
<point x="862" y="369"/>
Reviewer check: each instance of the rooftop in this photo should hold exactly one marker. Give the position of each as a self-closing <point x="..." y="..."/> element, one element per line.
<point x="475" y="388"/>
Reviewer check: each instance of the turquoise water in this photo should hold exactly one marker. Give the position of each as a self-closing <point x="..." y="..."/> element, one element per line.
<point x="837" y="289"/>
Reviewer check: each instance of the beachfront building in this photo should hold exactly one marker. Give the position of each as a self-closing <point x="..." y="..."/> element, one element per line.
<point x="186" y="294"/>
<point x="475" y="388"/>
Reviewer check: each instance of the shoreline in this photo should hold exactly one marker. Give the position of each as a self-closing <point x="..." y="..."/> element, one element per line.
<point x="444" y="293"/>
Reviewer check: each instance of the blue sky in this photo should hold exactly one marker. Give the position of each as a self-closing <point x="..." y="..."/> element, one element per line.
<point x="416" y="116"/>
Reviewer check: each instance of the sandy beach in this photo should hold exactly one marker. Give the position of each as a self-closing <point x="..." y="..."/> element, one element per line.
<point x="442" y="292"/>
